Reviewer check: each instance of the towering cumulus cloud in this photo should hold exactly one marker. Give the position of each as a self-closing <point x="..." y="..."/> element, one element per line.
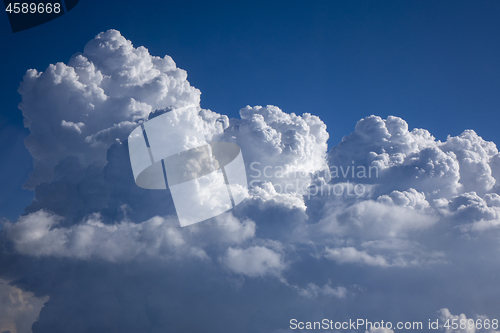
<point x="79" y="109"/>
<point x="390" y="224"/>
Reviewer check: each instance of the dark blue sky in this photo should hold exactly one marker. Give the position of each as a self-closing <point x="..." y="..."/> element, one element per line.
<point x="435" y="64"/>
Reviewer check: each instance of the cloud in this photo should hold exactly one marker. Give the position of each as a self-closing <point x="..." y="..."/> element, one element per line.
<point x="254" y="261"/>
<point x="18" y="309"/>
<point x="380" y="218"/>
<point x="414" y="159"/>
<point x="278" y="146"/>
<point x="80" y="108"/>
<point x="82" y="171"/>
<point x="351" y="255"/>
<point x="413" y="212"/>
<point x="312" y="290"/>
<point x="473" y="154"/>
<point x="38" y="234"/>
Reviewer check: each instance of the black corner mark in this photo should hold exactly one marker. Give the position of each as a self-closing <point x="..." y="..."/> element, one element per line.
<point x="26" y="14"/>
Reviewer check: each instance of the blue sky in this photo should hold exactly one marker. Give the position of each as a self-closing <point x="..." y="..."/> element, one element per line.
<point x="103" y="254"/>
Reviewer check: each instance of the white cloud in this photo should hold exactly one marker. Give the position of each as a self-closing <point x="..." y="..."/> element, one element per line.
<point x="280" y="148"/>
<point x="37" y="234"/>
<point x="108" y="89"/>
<point x="351" y="255"/>
<point x="393" y="215"/>
<point x="254" y="261"/>
<point x="414" y="212"/>
<point x="473" y="154"/>
<point x="266" y="195"/>
<point x="79" y="109"/>
<point x="225" y="228"/>
<point x="406" y="159"/>
<point x="72" y="126"/>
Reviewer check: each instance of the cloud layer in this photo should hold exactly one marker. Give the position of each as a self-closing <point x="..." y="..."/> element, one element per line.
<point x="359" y="230"/>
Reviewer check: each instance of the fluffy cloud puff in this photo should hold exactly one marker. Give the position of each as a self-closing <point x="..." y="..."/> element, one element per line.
<point x="278" y="146"/>
<point x="79" y="109"/>
<point x="254" y="261"/>
<point x="414" y="159"/>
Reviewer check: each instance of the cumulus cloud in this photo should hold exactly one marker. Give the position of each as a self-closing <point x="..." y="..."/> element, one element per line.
<point x="80" y="108"/>
<point x="408" y="202"/>
<point x="414" y="159"/>
<point x="280" y="148"/>
<point x="91" y="104"/>
<point x="82" y="173"/>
